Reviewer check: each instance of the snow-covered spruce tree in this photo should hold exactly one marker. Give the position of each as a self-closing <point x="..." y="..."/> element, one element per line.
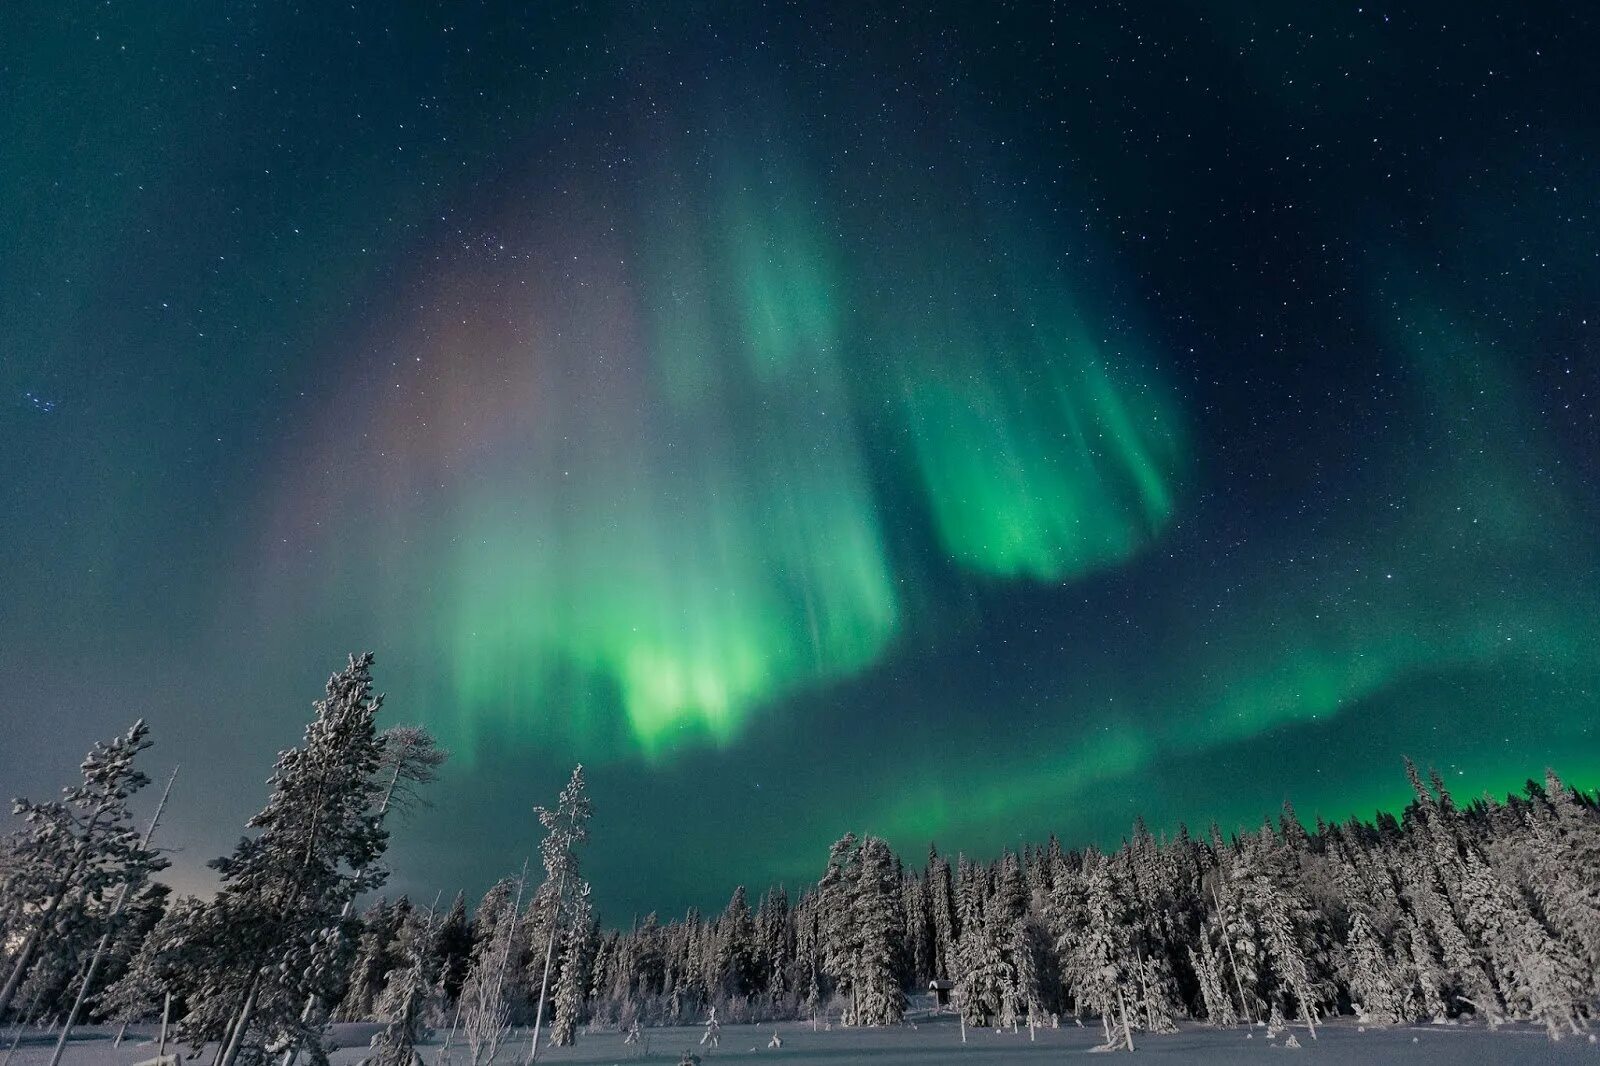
<point x="159" y="967"/>
<point x="985" y="982"/>
<point x="563" y="898"/>
<point x="67" y="856"/>
<point x="453" y="948"/>
<point x="1372" y="977"/>
<point x="1027" y="993"/>
<point x="838" y="919"/>
<point x="371" y="964"/>
<point x="984" y="978"/>
<point x="1215" y="998"/>
<point x="407" y="1000"/>
<point x="1285" y="926"/>
<point x="880" y="1000"/>
<point x="573" y="979"/>
<point x="1427" y="984"/>
<point x="1542" y="977"/>
<point x="776" y="957"/>
<point x="941" y="906"/>
<point x="275" y="939"/>
<point x="1560" y="838"/>
<point x="1096" y="961"/>
<point x="735" y="972"/>
<point x="1431" y="874"/>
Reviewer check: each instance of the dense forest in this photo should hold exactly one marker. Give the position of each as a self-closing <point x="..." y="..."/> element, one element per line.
<point x="1488" y="911"/>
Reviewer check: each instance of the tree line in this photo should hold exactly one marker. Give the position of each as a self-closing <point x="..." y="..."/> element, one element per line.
<point x="1487" y="911"/>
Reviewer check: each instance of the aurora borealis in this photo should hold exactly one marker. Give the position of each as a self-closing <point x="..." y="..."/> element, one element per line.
<point x="959" y="428"/>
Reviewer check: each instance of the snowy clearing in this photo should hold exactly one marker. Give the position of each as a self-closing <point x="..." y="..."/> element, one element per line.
<point x="935" y="1043"/>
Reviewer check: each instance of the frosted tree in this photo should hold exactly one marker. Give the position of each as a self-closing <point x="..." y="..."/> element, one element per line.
<point x="839" y="927"/>
<point x="1093" y="943"/>
<point x="453" y="948"/>
<point x="879" y="998"/>
<point x="570" y="984"/>
<point x="773" y="922"/>
<point x="1217" y="1001"/>
<point x="159" y="965"/>
<point x="1463" y="975"/>
<point x="485" y="1009"/>
<point x="408" y="758"/>
<point x="275" y="939"/>
<point x="1427" y="978"/>
<point x="941" y="906"/>
<point x="371" y="965"/>
<point x="563" y="896"/>
<point x="1284" y="923"/>
<point x="735" y="965"/>
<point x="67" y="856"/>
<point x="1026" y="990"/>
<point x="408" y="998"/>
<point x="1540" y="971"/>
<point x="1561" y="839"/>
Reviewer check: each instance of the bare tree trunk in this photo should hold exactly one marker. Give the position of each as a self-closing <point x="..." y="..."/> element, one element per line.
<point x="1127" y="1030"/>
<point x="166" y="1013"/>
<point x="236" y="1039"/>
<point x="1309" y="1010"/>
<point x="105" y="937"/>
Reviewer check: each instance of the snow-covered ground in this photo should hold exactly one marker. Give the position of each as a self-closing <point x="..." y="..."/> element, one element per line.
<point x="938" y="1043"/>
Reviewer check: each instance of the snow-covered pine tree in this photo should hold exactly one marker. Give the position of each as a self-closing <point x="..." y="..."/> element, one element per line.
<point x="1561" y="841"/>
<point x="408" y="758"/>
<point x="983" y="974"/>
<point x="275" y="939"/>
<point x="776" y="957"/>
<point x="1023" y="954"/>
<point x="564" y="893"/>
<point x="66" y="857"/>
<point x="1096" y="960"/>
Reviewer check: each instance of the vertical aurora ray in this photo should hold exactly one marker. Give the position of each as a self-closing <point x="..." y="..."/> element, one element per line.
<point x="664" y="517"/>
<point x="1041" y="472"/>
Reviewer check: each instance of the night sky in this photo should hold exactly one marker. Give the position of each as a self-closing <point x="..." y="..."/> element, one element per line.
<point x="957" y="423"/>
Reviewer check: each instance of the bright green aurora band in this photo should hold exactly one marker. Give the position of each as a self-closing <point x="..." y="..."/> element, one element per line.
<point x="716" y="541"/>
